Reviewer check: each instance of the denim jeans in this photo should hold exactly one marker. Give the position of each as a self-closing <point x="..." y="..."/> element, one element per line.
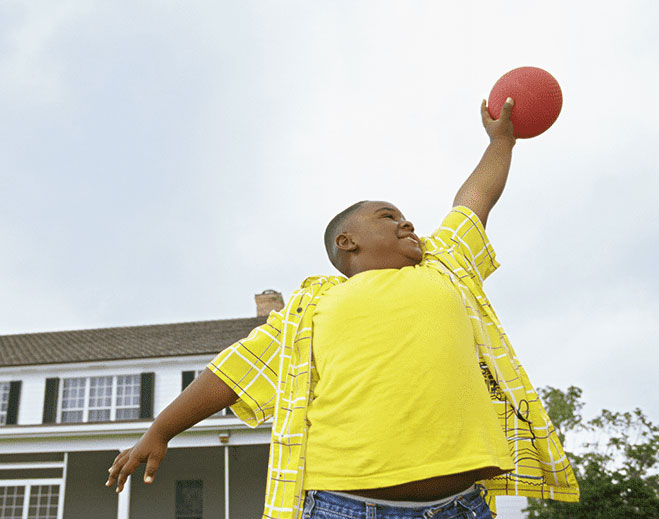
<point x="325" y="505"/>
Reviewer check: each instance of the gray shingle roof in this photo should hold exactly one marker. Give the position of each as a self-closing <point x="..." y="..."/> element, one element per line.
<point x="130" y="342"/>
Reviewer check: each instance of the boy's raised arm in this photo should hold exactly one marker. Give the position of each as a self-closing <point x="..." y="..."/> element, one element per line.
<point x="484" y="186"/>
<point x="206" y="395"/>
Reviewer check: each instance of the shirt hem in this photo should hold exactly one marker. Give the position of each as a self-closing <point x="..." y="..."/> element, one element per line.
<point x="399" y="477"/>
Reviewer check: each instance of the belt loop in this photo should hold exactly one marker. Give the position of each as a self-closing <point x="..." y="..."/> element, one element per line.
<point x="467" y="508"/>
<point x="309" y="504"/>
<point x="483" y="490"/>
<point x="370" y="511"/>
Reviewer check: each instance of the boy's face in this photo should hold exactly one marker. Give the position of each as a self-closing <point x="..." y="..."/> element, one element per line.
<point x="383" y="237"/>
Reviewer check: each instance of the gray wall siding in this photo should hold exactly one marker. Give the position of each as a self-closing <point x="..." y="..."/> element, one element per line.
<point x="86" y="495"/>
<point x="159" y="498"/>
<point x="248" y="466"/>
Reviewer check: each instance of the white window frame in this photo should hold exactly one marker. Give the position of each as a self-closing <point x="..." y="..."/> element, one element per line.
<point x="4" y="402"/>
<point x="86" y="408"/>
<point x="27" y="484"/>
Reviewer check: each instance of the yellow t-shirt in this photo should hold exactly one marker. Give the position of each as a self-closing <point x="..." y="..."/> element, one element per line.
<point x="400" y="395"/>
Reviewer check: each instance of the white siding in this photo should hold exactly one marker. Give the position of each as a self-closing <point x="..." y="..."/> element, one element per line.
<point x="30" y="406"/>
<point x="167" y="380"/>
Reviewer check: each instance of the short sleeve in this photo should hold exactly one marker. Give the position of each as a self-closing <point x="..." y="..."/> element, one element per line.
<point x="250" y="367"/>
<point x="462" y="244"/>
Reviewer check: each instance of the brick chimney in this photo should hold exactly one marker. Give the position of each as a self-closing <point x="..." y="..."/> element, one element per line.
<point x="267" y="301"/>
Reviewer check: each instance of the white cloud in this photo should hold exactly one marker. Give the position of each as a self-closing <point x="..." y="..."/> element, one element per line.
<point x="28" y="68"/>
<point x="165" y="161"/>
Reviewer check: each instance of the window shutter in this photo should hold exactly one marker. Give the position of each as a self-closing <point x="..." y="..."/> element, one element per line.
<point x="50" y="400"/>
<point x="186" y="379"/>
<point x="12" y="404"/>
<point x="146" y="395"/>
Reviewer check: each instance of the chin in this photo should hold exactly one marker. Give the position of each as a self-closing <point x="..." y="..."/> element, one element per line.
<point x="416" y="259"/>
<point x="411" y="262"/>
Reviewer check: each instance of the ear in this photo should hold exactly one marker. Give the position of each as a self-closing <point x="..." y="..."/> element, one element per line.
<point x="344" y="241"/>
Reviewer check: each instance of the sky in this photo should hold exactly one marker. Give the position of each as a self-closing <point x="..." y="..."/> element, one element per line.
<point x="165" y="161"/>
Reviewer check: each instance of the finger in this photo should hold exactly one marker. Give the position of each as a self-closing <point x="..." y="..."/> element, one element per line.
<point x="117" y="465"/>
<point x="128" y="469"/>
<point x="507" y="108"/>
<point x="485" y="114"/>
<point x="120" y="455"/>
<point x="152" y="465"/>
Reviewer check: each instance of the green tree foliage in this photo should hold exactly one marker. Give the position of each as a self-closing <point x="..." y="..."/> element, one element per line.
<point x="616" y="467"/>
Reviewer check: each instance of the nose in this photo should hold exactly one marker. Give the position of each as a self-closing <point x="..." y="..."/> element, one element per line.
<point x="404" y="224"/>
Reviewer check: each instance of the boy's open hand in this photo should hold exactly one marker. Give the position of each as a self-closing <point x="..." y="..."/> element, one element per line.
<point x="149" y="449"/>
<point x="501" y="127"/>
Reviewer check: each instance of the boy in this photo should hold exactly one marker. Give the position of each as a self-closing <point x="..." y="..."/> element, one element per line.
<point x="385" y="412"/>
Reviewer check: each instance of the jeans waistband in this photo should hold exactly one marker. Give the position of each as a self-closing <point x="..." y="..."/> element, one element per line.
<point x="405" y="504"/>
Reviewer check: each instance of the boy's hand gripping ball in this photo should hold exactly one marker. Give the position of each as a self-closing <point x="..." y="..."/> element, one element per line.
<point x="538" y="100"/>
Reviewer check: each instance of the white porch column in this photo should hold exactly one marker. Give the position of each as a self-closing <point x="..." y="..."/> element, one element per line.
<point x="123" y="504"/>
<point x="226" y="482"/>
<point x="62" y="488"/>
<point x="26" y="502"/>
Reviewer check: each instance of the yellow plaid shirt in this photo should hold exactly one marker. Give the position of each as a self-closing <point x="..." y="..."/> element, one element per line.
<point x="273" y="374"/>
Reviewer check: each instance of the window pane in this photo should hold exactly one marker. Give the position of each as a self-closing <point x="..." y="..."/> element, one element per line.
<point x="71" y="416"/>
<point x="11" y="502"/>
<point x="128" y="390"/>
<point x="189" y="499"/>
<point x="99" y="415"/>
<point x="128" y="397"/>
<point x="100" y="392"/>
<point x="128" y="414"/>
<point x="44" y="500"/>
<point x="100" y="399"/>
<point x="73" y="393"/>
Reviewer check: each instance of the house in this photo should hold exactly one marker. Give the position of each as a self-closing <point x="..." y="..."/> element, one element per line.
<point x="70" y="401"/>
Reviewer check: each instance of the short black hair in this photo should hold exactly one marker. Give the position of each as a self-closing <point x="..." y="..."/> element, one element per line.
<point x="336" y="227"/>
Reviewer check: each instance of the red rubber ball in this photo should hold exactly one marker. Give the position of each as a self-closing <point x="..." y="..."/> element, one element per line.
<point x="538" y="100"/>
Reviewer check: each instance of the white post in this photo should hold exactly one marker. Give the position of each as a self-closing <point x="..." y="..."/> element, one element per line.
<point x="226" y="482"/>
<point x="123" y="504"/>
<point x="26" y="501"/>
<point x="62" y="488"/>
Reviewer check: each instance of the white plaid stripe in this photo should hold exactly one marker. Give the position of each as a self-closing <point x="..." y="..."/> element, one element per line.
<point x="279" y="355"/>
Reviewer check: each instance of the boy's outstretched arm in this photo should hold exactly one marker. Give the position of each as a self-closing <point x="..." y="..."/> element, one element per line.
<point x="484" y="186"/>
<point x="206" y="395"/>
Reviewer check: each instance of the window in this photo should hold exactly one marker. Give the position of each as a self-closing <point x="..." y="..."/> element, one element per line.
<point x="42" y="501"/>
<point x="189" y="499"/>
<point x="4" y="402"/>
<point x="11" y="502"/>
<point x="100" y="399"/>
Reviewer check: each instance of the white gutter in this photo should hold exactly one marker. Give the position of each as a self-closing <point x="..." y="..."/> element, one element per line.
<point x="28" y="432"/>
